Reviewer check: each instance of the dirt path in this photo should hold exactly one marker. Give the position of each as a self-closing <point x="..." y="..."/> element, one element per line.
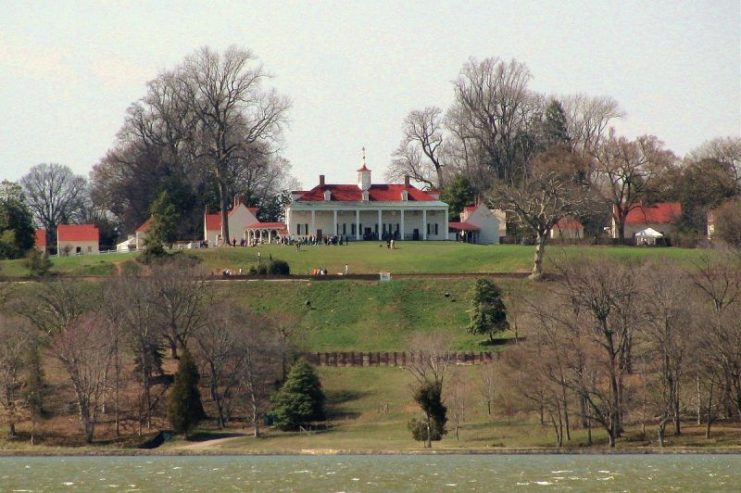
<point x="210" y="444"/>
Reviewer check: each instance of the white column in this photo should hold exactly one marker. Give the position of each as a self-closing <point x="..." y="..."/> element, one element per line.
<point x="313" y="222"/>
<point x="357" y="224"/>
<point x="401" y="234"/>
<point x="380" y="224"/>
<point x="424" y="224"/>
<point x="445" y="213"/>
<point x="335" y="221"/>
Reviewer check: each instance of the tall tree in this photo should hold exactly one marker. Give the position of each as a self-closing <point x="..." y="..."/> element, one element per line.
<point x="14" y="344"/>
<point x="421" y="151"/>
<point x="458" y="194"/>
<point x="55" y="196"/>
<point x="16" y="226"/>
<point x="553" y="190"/>
<point x="491" y="112"/>
<point x="85" y="351"/>
<point x="185" y="409"/>
<point x="588" y="119"/>
<point x="555" y="125"/>
<point x="626" y="172"/>
<point x="231" y="112"/>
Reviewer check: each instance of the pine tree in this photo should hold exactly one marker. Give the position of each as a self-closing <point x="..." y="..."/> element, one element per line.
<point x="163" y="226"/>
<point x="488" y="314"/>
<point x="185" y="409"/>
<point x="300" y="400"/>
<point x="555" y="131"/>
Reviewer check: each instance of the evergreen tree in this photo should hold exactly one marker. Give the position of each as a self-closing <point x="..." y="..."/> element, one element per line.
<point x="300" y="400"/>
<point x="429" y="398"/>
<point x="16" y="222"/>
<point x="185" y="409"/>
<point x="488" y="314"/>
<point x="555" y="130"/>
<point x="458" y="194"/>
<point x="163" y="225"/>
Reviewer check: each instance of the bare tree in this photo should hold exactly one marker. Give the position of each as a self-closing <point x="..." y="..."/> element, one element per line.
<point x="54" y="194"/>
<point x="588" y="118"/>
<point x="130" y="315"/>
<point x="668" y="313"/>
<point x="14" y="344"/>
<point x="84" y="349"/>
<point x="422" y="136"/>
<point x="551" y="192"/>
<point x="626" y="171"/>
<point x="241" y="352"/>
<point x="603" y="298"/>
<point x="726" y="150"/>
<point x="489" y="114"/>
<point x="179" y="296"/>
<point x="232" y="111"/>
<point x="456" y="399"/>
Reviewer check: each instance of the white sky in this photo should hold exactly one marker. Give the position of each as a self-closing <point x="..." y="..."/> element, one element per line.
<point x="354" y="69"/>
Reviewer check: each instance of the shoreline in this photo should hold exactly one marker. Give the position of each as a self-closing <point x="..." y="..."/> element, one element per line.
<point x="7" y="453"/>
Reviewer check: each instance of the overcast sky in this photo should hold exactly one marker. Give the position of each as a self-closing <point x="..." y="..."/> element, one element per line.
<point x="354" y="69"/>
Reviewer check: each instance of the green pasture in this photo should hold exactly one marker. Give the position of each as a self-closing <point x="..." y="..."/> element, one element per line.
<point x="368" y="257"/>
<point x="362" y="315"/>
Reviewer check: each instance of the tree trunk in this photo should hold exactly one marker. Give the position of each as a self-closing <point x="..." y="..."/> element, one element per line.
<point x="224" y="218"/>
<point x="537" y="272"/>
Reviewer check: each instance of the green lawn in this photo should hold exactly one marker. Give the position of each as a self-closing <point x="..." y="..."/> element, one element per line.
<point x="365" y="316"/>
<point x="369" y="257"/>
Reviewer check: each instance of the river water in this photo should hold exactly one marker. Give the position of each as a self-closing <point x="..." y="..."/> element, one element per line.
<point x="404" y="473"/>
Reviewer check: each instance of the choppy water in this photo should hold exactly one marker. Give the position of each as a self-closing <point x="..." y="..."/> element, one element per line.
<point x="451" y="473"/>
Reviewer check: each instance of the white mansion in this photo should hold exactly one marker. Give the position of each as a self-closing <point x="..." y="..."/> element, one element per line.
<point x="364" y="211"/>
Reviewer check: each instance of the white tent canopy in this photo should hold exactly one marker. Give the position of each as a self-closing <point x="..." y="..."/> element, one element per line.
<point x="649" y="233"/>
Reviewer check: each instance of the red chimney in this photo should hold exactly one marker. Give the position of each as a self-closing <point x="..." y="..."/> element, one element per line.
<point x="321" y="180"/>
<point x="406" y="180"/>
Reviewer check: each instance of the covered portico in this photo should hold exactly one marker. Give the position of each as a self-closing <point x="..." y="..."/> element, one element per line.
<point x="363" y="221"/>
<point x="264" y="232"/>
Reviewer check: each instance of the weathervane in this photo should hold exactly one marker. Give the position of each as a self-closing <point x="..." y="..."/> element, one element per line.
<point x="363" y="155"/>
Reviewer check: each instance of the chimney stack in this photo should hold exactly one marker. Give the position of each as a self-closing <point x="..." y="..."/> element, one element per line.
<point x="321" y="180"/>
<point x="406" y="180"/>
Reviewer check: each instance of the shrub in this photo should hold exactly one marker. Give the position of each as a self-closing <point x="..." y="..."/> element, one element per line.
<point x="37" y="263"/>
<point x="279" y="268"/>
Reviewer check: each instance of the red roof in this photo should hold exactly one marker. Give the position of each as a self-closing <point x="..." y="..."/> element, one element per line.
<point x="259" y="225"/>
<point x="145" y="226"/>
<point x="661" y="213"/>
<point x="77" y="232"/>
<point x="40" y="241"/>
<point x="462" y="226"/>
<point x="213" y="221"/>
<point x="364" y="168"/>
<point x="470" y="208"/>
<point x="377" y="193"/>
<point x="568" y="222"/>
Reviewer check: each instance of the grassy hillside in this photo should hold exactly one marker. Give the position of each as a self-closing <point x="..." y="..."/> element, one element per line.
<point x="365" y="316"/>
<point x="368" y="257"/>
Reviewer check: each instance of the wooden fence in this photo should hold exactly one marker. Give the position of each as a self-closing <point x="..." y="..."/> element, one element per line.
<point x="401" y="359"/>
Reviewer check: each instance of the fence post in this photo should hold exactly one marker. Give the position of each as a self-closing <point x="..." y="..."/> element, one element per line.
<point x="365" y="358"/>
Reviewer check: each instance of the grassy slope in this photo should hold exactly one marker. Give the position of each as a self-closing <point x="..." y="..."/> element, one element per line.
<point x="357" y="399"/>
<point x="369" y="257"/>
<point x="365" y="316"/>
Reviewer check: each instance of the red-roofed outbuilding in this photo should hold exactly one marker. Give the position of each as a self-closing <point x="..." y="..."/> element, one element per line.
<point x="77" y="239"/>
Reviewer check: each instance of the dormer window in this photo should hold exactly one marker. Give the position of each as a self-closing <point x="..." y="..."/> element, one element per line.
<point x="327" y="195"/>
<point x="365" y="195"/>
<point x="404" y="195"/>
